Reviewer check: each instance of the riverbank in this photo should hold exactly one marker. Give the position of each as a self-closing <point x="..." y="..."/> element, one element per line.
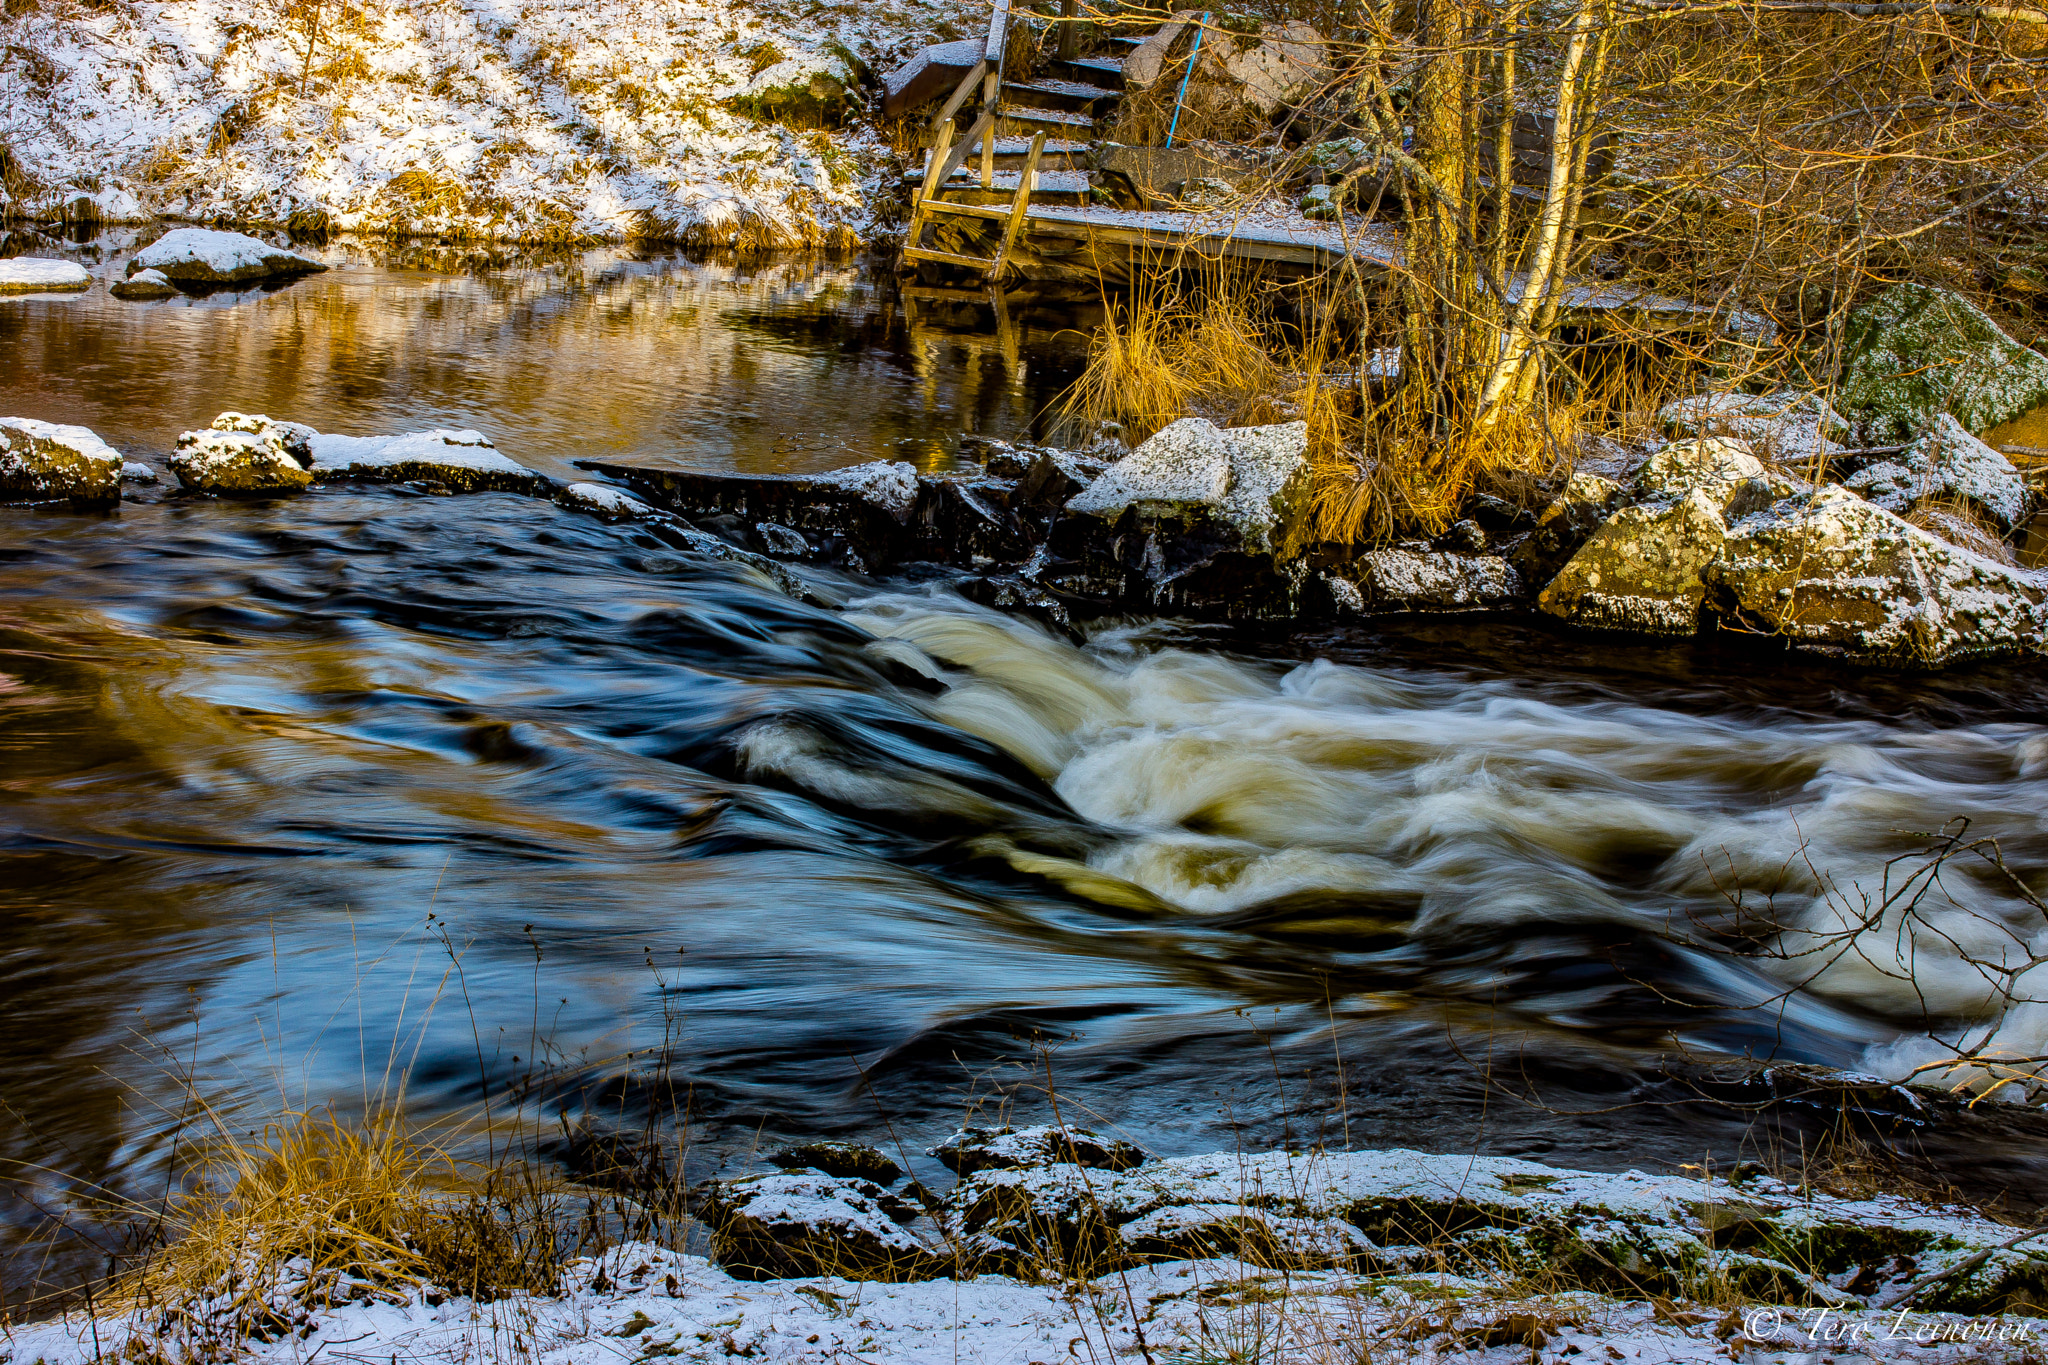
<point x="706" y="123"/>
<point x="1058" y="1244"/>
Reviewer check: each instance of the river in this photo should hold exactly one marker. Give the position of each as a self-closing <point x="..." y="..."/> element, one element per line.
<point x="524" y="812"/>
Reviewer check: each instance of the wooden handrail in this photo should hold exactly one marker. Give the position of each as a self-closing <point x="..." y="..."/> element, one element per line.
<point x="998" y="34"/>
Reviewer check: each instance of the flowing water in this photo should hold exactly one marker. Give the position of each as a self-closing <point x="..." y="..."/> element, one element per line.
<point x="300" y="797"/>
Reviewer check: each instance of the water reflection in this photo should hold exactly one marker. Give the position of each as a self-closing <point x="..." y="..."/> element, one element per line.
<point x="615" y="354"/>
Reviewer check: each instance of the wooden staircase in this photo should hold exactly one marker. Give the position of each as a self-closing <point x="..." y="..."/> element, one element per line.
<point x="1021" y="128"/>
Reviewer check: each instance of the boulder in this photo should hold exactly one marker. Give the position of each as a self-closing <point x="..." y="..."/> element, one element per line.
<point x="1264" y="71"/>
<point x="811" y="91"/>
<point x="1783" y="427"/>
<point x="997" y="1149"/>
<point x="37" y="275"/>
<point x="1407" y="578"/>
<point x="1834" y="573"/>
<point x="847" y="1160"/>
<point x="203" y="256"/>
<point x="1718" y="466"/>
<point x="1574" y="514"/>
<point x="144" y="284"/>
<point x="1916" y="352"/>
<point x="237" y="464"/>
<point x="1251" y="479"/>
<point x="134" y="471"/>
<point x="1946" y="464"/>
<point x="1641" y="570"/>
<point x="1160" y="175"/>
<point x="782" y="1226"/>
<point x="44" y="461"/>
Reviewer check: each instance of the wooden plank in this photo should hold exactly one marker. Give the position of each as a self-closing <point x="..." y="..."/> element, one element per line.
<point x="1020" y="207"/>
<point x="998" y="34"/>
<point x="960" y="93"/>
<point x="999" y="212"/>
<point x="918" y="253"/>
<point x="984" y="127"/>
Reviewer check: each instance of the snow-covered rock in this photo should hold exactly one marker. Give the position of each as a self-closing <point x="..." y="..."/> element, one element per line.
<point x="237" y="464"/>
<point x="1784" y="427"/>
<point x="888" y="484"/>
<point x="144" y="284"/>
<point x="462" y="460"/>
<point x="37" y="275"/>
<point x="989" y="1149"/>
<point x="1946" y="463"/>
<point x="134" y="471"/>
<point x="204" y="256"/>
<point x="1832" y="572"/>
<point x="1717" y="465"/>
<point x="607" y="501"/>
<point x="848" y="1160"/>
<point x="775" y="1226"/>
<point x="1641" y="570"/>
<point x="43" y="461"/>
<point x="1574" y="514"/>
<point x="811" y="91"/>
<point x="1915" y="352"/>
<point x="1252" y="479"/>
<point x="1403" y="578"/>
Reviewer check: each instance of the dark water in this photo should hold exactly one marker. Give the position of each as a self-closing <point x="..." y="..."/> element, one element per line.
<point x="302" y="799"/>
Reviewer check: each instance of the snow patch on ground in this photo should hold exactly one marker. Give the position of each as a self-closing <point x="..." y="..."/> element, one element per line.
<point x="557" y="120"/>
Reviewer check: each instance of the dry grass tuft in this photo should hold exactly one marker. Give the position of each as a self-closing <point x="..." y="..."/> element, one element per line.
<point x="316" y="1210"/>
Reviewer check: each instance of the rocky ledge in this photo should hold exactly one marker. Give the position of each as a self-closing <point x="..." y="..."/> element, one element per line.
<point x="1042" y="1200"/>
<point x="1700" y="533"/>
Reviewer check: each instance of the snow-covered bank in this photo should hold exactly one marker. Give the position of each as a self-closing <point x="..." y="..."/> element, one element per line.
<point x="1310" y="1257"/>
<point x="648" y="1303"/>
<point x="709" y="122"/>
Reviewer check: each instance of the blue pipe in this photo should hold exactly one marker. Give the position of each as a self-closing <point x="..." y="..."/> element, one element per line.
<point x="1185" y="78"/>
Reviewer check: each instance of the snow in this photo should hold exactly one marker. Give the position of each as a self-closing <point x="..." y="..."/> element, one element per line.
<point x="224" y="257"/>
<point x="22" y="274"/>
<point x="469" y="450"/>
<point x="1249" y="475"/>
<point x="83" y="442"/>
<point x="888" y="484"/>
<point x="546" y="121"/>
<point x="601" y="497"/>
<point x="1946" y="461"/>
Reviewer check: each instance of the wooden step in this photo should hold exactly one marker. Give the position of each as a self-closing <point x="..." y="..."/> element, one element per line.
<point x="1131" y="42"/>
<point x="1001" y="214"/>
<point x="1051" y="118"/>
<point x="919" y="253"/>
<point x="1049" y="93"/>
<point x="1107" y="72"/>
<point x="1051" y="182"/>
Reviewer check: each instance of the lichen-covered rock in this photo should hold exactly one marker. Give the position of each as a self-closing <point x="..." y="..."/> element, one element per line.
<point x="1946" y="463"/>
<point x="144" y="284"/>
<point x="778" y="1226"/>
<point x="988" y="1149"/>
<point x="1785" y="427"/>
<point x="1403" y="578"/>
<point x="1562" y="527"/>
<point x="1915" y="352"/>
<point x="849" y="1160"/>
<point x="44" y="461"/>
<point x="1832" y="572"/>
<point x="1252" y="479"/>
<point x="1641" y="570"/>
<point x="1715" y="465"/>
<point x="206" y="257"/>
<point x="237" y="464"/>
